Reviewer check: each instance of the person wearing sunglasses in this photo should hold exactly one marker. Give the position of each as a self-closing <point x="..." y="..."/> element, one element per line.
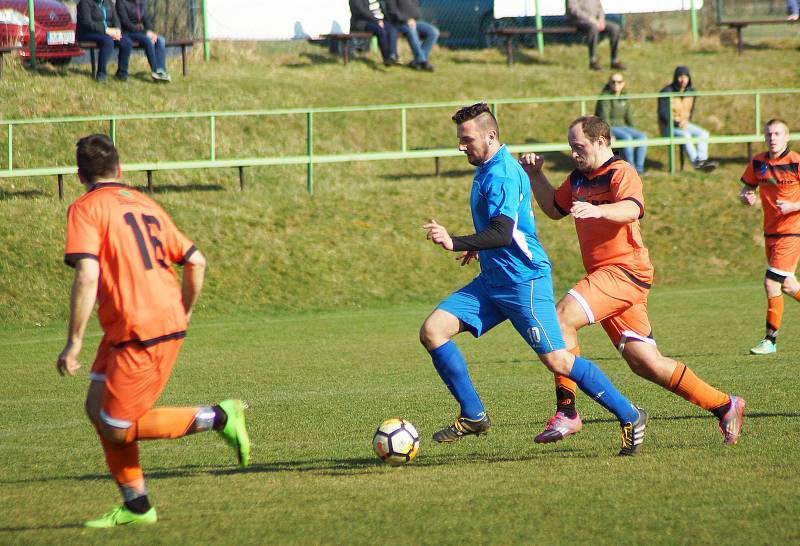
<point x="617" y="113"/>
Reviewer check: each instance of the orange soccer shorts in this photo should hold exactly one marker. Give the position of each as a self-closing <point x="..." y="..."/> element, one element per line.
<point x="783" y="254"/>
<point x="134" y="378"/>
<point x="612" y="298"/>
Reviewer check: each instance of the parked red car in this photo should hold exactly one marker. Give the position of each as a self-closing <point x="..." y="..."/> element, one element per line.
<point x="54" y="30"/>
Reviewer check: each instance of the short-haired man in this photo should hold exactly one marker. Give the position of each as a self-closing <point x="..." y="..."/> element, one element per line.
<point x="122" y="246"/>
<point x="604" y="196"/>
<point x="514" y="284"/>
<point x="776" y="175"/>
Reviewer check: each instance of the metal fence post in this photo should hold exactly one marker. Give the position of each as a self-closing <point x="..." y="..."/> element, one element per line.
<point x="213" y="137"/>
<point x="10" y="147"/>
<point x="112" y="130"/>
<point x="403" y="137"/>
<point x="693" y="17"/>
<point x="32" y="32"/>
<point x="310" y="152"/>
<point x="206" y="44"/>
<point x="539" y="35"/>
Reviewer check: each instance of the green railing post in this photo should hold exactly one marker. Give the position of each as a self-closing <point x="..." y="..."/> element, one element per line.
<point x="310" y="152"/>
<point x="494" y="110"/>
<point x="693" y="16"/>
<point x="212" y="137"/>
<point x="583" y="107"/>
<point x="758" y="113"/>
<point x="671" y="153"/>
<point x="206" y="43"/>
<point x="718" y="9"/>
<point x="32" y="32"/>
<point x="10" y="147"/>
<point x="403" y="137"/>
<point x="112" y="130"/>
<point x="539" y="35"/>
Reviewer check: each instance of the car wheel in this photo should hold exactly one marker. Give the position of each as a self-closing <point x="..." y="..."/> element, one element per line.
<point x="61" y="61"/>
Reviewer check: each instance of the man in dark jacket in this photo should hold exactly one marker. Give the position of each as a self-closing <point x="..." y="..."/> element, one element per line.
<point x="367" y="15"/>
<point x="98" y="23"/>
<point x="137" y="26"/>
<point x="677" y="111"/>
<point x="589" y="17"/>
<point x="405" y="15"/>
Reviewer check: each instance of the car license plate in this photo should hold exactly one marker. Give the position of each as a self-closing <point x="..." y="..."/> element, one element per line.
<point x="61" y="37"/>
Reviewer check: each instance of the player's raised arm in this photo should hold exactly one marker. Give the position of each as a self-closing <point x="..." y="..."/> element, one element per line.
<point x="82" y="299"/>
<point x="542" y="190"/>
<point x="194" y="271"/>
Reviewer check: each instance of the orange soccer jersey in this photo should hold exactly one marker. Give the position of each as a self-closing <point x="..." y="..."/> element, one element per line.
<point x="604" y="243"/>
<point x="135" y="243"/>
<point x="776" y="179"/>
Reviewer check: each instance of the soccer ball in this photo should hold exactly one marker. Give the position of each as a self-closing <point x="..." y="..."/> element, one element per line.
<point x="396" y="441"/>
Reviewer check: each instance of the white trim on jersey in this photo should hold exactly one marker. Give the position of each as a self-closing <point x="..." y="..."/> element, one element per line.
<point x="630" y="334"/>
<point x="781" y="272"/>
<point x="116" y="423"/>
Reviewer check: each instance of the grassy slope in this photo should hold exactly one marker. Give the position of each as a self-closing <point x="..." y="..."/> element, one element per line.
<point x="356" y="242"/>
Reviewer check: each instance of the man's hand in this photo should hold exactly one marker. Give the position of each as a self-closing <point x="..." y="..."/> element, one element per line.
<point x="438" y="234"/>
<point x="467" y="257"/>
<point x="532" y="164"/>
<point x="787" y="207"/>
<point x="601" y="24"/>
<point x="68" y="359"/>
<point x="412" y="23"/>
<point x="152" y="36"/>
<point x="115" y="33"/>
<point x="747" y="196"/>
<point x="582" y="209"/>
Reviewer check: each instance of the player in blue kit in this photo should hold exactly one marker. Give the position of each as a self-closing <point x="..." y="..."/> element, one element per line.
<point x="514" y="284"/>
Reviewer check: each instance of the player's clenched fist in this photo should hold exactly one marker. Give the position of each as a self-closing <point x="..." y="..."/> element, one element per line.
<point x="438" y="234"/>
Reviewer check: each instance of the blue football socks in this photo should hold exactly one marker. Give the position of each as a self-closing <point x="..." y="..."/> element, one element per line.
<point x="594" y="382"/>
<point x="452" y="368"/>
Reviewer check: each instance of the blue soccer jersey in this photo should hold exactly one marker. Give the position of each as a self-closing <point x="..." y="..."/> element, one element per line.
<point x="501" y="187"/>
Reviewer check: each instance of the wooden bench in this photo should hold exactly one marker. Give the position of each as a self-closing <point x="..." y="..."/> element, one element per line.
<point x="183" y="44"/>
<point x="512" y="32"/>
<point x="3" y="51"/>
<point x="742" y="23"/>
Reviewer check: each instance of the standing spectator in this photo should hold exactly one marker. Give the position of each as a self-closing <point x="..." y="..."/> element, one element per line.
<point x="678" y="111"/>
<point x="793" y="9"/>
<point x="98" y="23"/>
<point x="589" y="17"/>
<point x="367" y="15"/>
<point x="405" y="16"/>
<point x="617" y="113"/>
<point x="137" y="26"/>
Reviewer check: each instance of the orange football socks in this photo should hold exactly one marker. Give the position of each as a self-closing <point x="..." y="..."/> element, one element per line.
<point x="687" y="385"/>
<point x="775" y="313"/>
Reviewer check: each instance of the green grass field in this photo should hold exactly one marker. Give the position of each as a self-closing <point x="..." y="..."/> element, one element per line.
<point x="312" y="306"/>
<point x="314" y="405"/>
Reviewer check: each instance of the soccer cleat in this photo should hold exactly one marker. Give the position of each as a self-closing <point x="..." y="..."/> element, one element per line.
<point x="235" y="431"/>
<point x="120" y="515"/>
<point x="731" y="423"/>
<point x="463" y="427"/>
<point x="764" y="347"/>
<point x="559" y="427"/>
<point x="632" y="434"/>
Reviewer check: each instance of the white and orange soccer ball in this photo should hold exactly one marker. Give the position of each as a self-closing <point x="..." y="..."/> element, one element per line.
<point x="396" y="441"/>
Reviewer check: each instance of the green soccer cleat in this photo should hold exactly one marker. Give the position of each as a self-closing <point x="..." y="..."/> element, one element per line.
<point x="463" y="427"/>
<point x="764" y="347"/>
<point x="120" y="515"/>
<point x="235" y="431"/>
<point x="632" y="435"/>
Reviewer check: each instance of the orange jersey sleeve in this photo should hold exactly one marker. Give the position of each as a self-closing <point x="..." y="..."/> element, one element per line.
<point x="135" y="242"/>
<point x="562" y="199"/>
<point x="777" y="179"/>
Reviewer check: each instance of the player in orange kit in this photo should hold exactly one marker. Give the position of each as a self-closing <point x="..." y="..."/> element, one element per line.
<point x="122" y="246"/>
<point x="604" y="196"/>
<point x="776" y="175"/>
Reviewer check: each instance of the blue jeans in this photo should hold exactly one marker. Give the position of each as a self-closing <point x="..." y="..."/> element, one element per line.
<point x="422" y="50"/>
<point x="156" y="53"/>
<point x="693" y="153"/>
<point x="634" y="156"/>
<point x="106" y="48"/>
<point x="387" y="38"/>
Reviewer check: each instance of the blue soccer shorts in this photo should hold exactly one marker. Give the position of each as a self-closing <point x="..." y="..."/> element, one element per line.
<point x="529" y="306"/>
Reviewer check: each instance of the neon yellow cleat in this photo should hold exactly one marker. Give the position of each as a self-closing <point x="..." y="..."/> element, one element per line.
<point x="235" y="431"/>
<point x="120" y="515"/>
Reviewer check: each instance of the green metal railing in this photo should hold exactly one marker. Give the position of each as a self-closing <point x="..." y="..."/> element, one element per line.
<point x="311" y="158"/>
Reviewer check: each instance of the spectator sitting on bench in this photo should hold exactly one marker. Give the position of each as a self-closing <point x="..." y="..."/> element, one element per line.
<point x="98" y="22"/>
<point x="367" y="15"/>
<point x="589" y="17"/>
<point x="138" y="28"/>
<point x="678" y="111"/>
<point x="405" y="16"/>
<point x="617" y="113"/>
<point x="793" y="9"/>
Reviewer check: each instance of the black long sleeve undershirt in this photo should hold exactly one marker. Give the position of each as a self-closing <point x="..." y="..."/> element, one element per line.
<point x="498" y="234"/>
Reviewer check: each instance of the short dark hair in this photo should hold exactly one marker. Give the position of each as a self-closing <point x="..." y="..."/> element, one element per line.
<point x="593" y="127"/>
<point x="479" y="111"/>
<point x="775" y="121"/>
<point x="97" y="157"/>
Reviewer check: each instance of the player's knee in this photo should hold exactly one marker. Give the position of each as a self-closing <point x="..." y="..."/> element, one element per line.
<point x="559" y="362"/>
<point x="114" y="435"/>
<point x="428" y="335"/>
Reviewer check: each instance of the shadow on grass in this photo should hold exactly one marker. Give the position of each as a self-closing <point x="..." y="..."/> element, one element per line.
<point x="456" y="173"/>
<point x="6" y="195"/>
<point x="41" y="527"/>
<point x="169" y="188"/>
<point x="317" y="58"/>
